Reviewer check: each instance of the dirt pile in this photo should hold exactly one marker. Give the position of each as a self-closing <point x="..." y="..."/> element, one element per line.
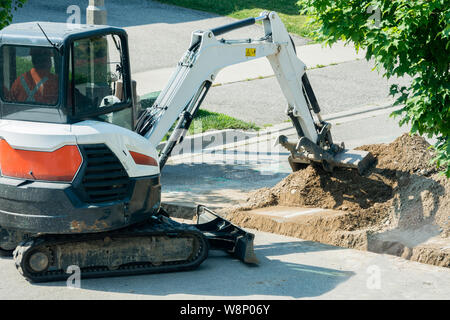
<point x="396" y="206"/>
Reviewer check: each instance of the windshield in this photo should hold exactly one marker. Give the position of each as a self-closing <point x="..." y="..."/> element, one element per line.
<point x="29" y="75"/>
<point x="96" y="67"/>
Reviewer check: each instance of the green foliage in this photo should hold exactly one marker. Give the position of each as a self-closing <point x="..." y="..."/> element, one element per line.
<point x="403" y="37"/>
<point x="6" y="9"/>
<point x="23" y="65"/>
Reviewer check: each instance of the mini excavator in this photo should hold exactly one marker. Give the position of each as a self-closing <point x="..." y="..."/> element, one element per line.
<point x="80" y="171"/>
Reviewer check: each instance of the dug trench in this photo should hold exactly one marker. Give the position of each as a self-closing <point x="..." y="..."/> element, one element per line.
<point x="401" y="206"/>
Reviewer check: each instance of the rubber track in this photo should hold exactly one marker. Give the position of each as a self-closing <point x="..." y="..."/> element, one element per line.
<point x="167" y="228"/>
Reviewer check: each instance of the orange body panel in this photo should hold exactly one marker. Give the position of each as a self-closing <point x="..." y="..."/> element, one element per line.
<point x="142" y="159"/>
<point x="59" y="165"/>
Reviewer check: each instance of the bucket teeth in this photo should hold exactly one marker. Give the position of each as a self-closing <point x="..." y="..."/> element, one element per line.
<point x="305" y="151"/>
<point x="357" y="159"/>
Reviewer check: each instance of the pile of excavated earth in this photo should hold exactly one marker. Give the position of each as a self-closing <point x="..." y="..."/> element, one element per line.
<point x="400" y="206"/>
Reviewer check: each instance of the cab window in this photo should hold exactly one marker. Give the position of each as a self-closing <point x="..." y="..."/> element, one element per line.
<point x="96" y="79"/>
<point x="29" y="75"/>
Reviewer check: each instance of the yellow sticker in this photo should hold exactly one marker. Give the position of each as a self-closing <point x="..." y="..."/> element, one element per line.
<point x="250" y="52"/>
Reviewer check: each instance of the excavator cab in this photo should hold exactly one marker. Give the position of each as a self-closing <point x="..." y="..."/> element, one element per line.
<point x="59" y="73"/>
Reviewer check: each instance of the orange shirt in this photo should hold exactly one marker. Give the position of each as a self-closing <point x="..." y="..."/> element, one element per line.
<point x="41" y="88"/>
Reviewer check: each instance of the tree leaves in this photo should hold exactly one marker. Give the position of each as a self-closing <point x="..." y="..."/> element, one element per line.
<point x="6" y="10"/>
<point x="413" y="38"/>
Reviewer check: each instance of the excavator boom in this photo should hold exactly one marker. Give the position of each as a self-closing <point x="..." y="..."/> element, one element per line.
<point x="201" y="63"/>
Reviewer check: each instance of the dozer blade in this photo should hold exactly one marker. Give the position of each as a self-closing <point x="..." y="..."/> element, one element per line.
<point x="223" y="235"/>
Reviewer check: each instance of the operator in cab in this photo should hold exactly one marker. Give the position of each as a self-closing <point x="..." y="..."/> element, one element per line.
<point x="39" y="85"/>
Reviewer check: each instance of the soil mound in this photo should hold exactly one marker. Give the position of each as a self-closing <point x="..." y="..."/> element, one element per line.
<point x="403" y="191"/>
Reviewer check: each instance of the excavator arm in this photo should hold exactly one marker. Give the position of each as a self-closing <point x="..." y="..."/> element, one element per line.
<point x="201" y="63"/>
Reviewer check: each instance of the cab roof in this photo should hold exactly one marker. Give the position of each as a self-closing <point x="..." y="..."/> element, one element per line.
<point x="29" y="33"/>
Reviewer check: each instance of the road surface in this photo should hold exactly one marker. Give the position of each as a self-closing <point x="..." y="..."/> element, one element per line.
<point x="289" y="269"/>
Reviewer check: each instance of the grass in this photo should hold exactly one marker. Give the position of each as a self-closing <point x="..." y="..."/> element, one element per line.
<point x="288" y="10"/>
<point x="206" y="120"/>
<point x="218" y="121"/>
<point x="209" y="120"/>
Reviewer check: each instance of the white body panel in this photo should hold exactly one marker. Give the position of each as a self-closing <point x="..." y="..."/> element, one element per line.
<point x="120" y="141"/>
<point x="48" y="137"/>
<point x="36" y="136"/>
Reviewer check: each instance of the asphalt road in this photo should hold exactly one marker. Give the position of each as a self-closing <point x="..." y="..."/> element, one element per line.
<point x="289" y="269"/>
<point x="338" y="88"/>
<point x="158" y="34"/>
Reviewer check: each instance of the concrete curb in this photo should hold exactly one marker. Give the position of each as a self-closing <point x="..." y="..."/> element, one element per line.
<point x="206" y="137"/>
<point x="268" y="134"/>
<point x="245" y="135"/>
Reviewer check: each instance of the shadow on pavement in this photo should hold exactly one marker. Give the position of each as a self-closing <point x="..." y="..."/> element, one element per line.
<point x="220" y="275"/>
<point x="204" y="177"/>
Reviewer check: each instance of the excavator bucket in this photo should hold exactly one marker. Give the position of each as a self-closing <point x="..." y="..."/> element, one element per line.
<point x="356" y="159"/>
<point x="304" y="152"/>
<point x="223" y="235"/>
